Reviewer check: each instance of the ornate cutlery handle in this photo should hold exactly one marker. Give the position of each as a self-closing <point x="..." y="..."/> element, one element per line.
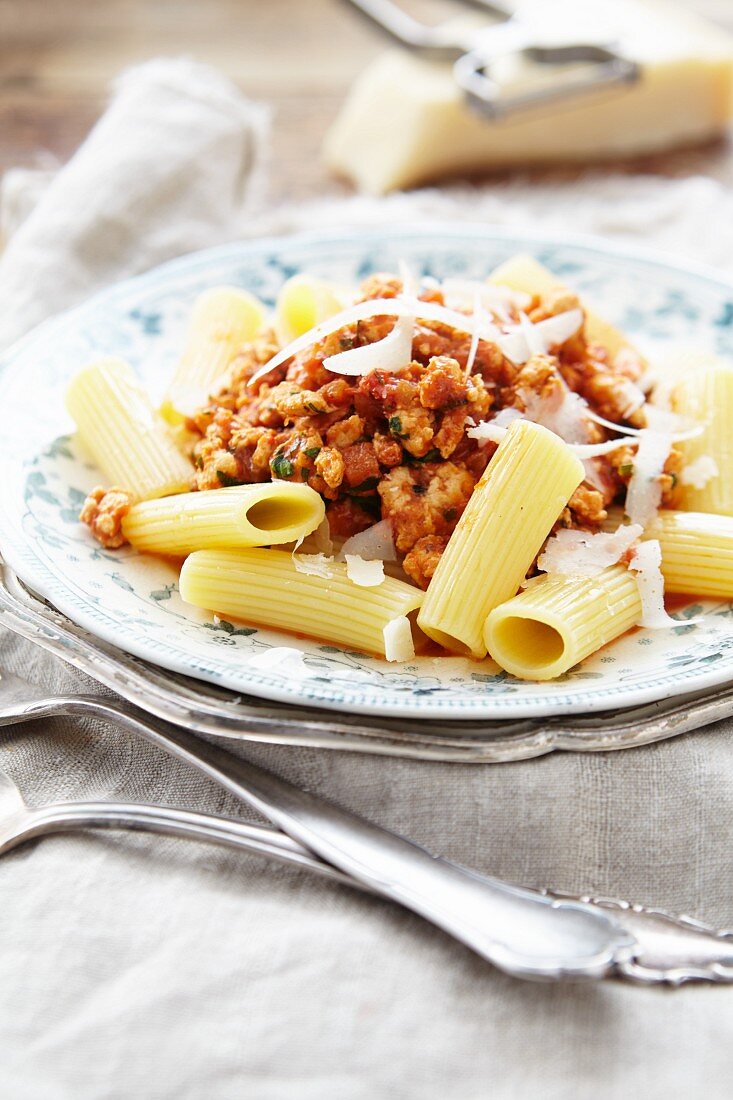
<point x="520" y="931"/>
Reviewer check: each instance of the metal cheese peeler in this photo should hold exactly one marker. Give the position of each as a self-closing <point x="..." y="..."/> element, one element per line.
<point x="572" y="67"/>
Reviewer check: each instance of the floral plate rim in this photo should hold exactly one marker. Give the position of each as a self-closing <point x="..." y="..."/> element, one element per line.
<point x="37" y="574"/>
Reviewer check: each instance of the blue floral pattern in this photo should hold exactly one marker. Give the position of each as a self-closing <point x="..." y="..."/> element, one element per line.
<point x="133" y="600"/>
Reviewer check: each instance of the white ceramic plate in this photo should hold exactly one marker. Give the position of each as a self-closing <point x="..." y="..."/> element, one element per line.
<point x="132" y="600"/>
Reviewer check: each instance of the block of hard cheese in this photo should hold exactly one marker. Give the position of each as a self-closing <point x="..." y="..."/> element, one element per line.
<point x="405" y="121"/>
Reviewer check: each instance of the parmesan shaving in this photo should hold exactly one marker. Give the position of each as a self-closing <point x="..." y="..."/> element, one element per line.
<point x="644" y="493"/>
<point x="493" y="431"/>
<point x="364" y="311"/>
<point x="313" y="565"/>
<point x="471" y="359"/>
<point x="499" y="300"/>
<point x="563" y="412"/>
<point x="374" y="544"/>
<point x="698" y="473"/>
<point x="583" y="554"/>
<point x="367" y="574"/>
<point x="398" y="641"/>
<point x="526" y="339"/>
<point x="646" y="566"/>
<point x="393" y="353"/>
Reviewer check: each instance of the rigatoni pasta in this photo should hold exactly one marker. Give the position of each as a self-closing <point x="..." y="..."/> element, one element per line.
<point x="242" y="515"/>
<point x="223" y="320"/>
<point x="264" y="587"/>
<point x="706" y="395"/>
<point x="697" y="552"/>
<point x="128" y="440"/>
<point x="364" y="440"/>
<point x="303" y="302"/>
<point x="524" y="489"/>
<point x="557" y="621"/>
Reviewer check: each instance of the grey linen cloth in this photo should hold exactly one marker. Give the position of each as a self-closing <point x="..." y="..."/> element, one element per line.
<point x="155" y="968"/>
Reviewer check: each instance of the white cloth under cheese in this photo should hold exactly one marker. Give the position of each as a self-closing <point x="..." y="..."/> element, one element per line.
<point x="405" y="121"/>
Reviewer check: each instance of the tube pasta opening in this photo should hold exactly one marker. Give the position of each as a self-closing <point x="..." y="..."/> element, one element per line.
<point x="523" y="490"/>
<point x="536" y="644"/>
<point x="242" y="515"/>
<point x="558" y="621"/>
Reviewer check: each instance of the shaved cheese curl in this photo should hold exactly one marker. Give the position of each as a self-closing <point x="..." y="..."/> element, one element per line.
<point x="583" y="553"/>
<point x="644" y="493"/>
<point x="700" y="472"/>
<point x="375" y="307"/>
<point x="367" y="574"/>
<point x="374" y="544"/>
<point x="398" y="641"/>
<point x="393" y="353"/>
<point x="646" y="566"/>
<point x="313" y="565"/>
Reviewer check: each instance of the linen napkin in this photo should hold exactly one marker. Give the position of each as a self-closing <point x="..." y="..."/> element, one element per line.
<point x="146" y="967"/>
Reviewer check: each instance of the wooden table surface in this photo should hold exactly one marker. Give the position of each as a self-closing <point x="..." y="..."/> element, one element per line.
<point x="58" y="57"/>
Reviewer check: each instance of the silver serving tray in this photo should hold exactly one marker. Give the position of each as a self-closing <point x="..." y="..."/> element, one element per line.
<point x="214" y="711"/>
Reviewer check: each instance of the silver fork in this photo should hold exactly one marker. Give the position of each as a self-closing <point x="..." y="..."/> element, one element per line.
<point x="20" y="822"/>
<point x="523" y="932"/>
<point x="668" y="949"/>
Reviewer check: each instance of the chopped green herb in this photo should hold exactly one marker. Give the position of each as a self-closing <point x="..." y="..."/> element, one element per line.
<point x="311" y="406"/>
<point x="281" y="466"/>
<point x="627" y="469"/>
<point x="226" y="480"/>
<point x="395" y="427"/>
<point x="674" y="480"/>
<point x="305" y="472"/>
<point x="312" y="452"/>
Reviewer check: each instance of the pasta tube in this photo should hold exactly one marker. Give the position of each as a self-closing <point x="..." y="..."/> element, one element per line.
<point x="243" y="515"/>
<point x="511" y="511"/>
<point x="707" y="396"/>
<point x="302" y="303"/>
<point x="125" y="436"/>
<point x="526" y="274"/>
<point x="557" y="621"/>
<point x="697" y="550"/>
<point x="223" y="319"/>
<point x="264" y="587"/>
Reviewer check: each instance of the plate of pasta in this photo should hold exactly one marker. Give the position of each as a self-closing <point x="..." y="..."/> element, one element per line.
<point x="456" y="472"/>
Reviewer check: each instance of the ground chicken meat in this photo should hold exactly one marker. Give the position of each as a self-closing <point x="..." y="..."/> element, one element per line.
<point x="345" y="432"/>
<point x="330" y="466"/>
<point x="387" y="450"/>
<point x="451" y="431"/>
<point x="586" y="507"/>
<point x="424" y="500"/>
<point x="443" y="385"/>
<point x="422" y="561"/>
<point x="361" y="467"/>
<point x="380" y="285"/>
<point x="103" y="512"/>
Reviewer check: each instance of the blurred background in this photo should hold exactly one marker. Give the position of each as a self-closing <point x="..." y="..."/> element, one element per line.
<point x="58" y="57"/>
